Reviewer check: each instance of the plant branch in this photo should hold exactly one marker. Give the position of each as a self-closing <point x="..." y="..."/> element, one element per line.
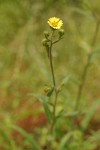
<point x="56" y="41"/>
<point x="83" y="78"/>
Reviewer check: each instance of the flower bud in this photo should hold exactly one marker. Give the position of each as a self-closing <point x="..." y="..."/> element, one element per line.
<point x="47" y="89"/>
<point x="46" y="34"/>
<point x="61" y="33"/>
<point x="44" y="42"/>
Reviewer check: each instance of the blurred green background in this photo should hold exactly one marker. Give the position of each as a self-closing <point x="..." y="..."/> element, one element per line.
<point x="24" y="66"/>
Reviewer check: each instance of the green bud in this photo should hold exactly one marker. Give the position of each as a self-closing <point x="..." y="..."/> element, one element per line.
<point x="44" y="42"/>
<point x="61" y="33"/>
<point x="47" y="89"/>
<point x="46" y="33"/>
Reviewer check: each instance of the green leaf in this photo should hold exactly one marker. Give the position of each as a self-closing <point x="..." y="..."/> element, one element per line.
<point x="89" y="114"/>
<point x="64" y="141"/>
<point x="62" y="113"/>
<point x="72" y="114"/>
<point x="44" y="102"/>
<point x="28" y="137"/>
<point x="39" y="97"/>
<point x="64" y="81"/>
<point x="47" y="111"/>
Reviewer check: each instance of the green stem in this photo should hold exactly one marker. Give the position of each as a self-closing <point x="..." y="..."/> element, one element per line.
<point x="54" y="84"/>
<point x="50" y="59"/>
<point x="81" y="86"/>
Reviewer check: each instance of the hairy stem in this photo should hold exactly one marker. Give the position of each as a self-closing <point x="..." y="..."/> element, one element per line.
<point x="83" y="78"/>
<point x="54" y="84"/>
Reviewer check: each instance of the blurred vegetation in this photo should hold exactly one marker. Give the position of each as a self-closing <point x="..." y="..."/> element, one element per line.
<point x="24" y="69"/>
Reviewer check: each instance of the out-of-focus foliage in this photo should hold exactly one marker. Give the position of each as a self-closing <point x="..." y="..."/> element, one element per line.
<point x="24" y="69"/>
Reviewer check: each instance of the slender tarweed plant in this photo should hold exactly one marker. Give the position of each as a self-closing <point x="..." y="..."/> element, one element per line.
<point x="48" y="42"/>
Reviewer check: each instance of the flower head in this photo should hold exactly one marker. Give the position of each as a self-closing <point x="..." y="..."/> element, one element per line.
<point x="55" y="23"/>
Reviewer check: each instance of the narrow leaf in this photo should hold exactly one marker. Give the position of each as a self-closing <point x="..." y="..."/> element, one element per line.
<point x="47" y="111"/>
<point x="39" y="97"/>
<point x="64" y="81"/>
<point x="64" y="141"/>
<point x="28" y="137"/>
<point x="89" y="114"/>
<point x="44" y="100"/>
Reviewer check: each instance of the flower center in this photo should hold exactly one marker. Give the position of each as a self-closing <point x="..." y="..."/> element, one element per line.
<point x="55" y="23"/>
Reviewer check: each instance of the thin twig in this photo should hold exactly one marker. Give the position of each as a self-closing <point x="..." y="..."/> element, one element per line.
<point x="56" y="41"/>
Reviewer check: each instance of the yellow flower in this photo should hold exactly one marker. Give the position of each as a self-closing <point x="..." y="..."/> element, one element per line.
<point x="55" y="23"/>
